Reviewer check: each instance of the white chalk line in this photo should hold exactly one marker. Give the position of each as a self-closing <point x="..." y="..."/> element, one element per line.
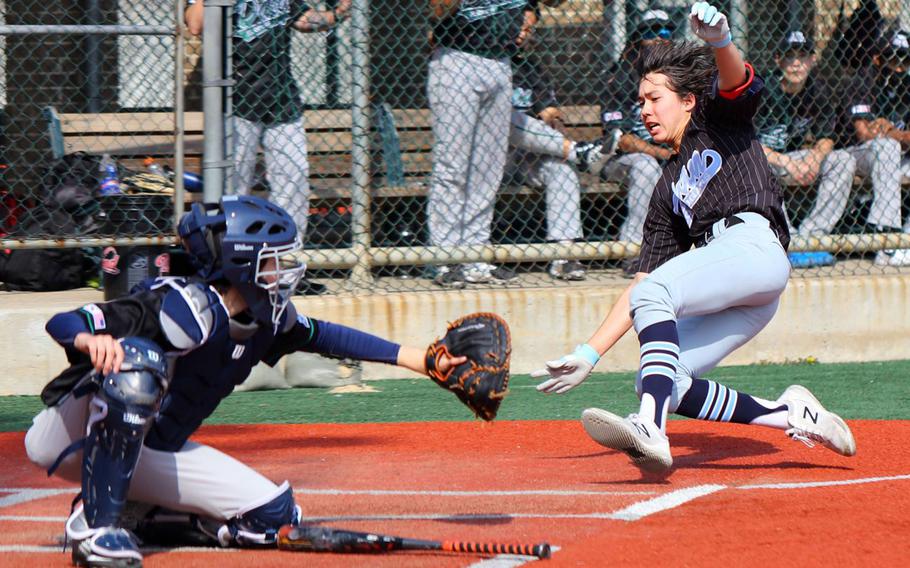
<point x="631" y="513"/>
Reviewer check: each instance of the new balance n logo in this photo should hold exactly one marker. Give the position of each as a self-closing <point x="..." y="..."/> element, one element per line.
<point x="642" y="429"/>
<point x="809" y="415"/>
<point x="238" y="352"/>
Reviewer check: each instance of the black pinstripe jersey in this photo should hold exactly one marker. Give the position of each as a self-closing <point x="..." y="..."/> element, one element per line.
<point x="720" y="170"/>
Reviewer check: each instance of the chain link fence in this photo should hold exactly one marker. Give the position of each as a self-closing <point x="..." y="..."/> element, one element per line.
<point x="418" y="158"/>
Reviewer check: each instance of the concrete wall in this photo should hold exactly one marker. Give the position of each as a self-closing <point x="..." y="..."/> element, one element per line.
<point x="833" y="319"/>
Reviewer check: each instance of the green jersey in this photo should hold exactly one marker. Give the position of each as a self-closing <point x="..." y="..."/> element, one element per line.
<point x="792" y="121"/>
<point x="487" y="28"/>
<point x="264" y="88"/>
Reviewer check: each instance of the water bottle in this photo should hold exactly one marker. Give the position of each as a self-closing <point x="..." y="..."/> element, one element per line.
<point x="110" y="181"/>
<point x="192" y="182"/>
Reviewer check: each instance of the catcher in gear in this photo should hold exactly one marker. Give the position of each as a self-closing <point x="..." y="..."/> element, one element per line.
<point x="146" y="370"/>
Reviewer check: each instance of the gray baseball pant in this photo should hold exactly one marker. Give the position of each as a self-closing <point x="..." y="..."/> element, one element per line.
<point x="879" y="159"/>
<point x="835" y="182"/>
<point x="197" y="479"/>
<point x="639" y="172"/>
<point x="560" y="184"/>
<point x="287" y="169"/>
<point x="535" y="159"/>
<point x="470" y="102"/>
<point x="721" y="295"/>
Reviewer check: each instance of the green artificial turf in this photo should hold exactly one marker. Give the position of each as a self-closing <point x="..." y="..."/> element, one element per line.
<point x="854" y="390"/>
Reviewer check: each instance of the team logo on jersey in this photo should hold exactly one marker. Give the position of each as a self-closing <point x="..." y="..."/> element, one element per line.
<point x="522" y="98"/>
<point x="693" y="179"/>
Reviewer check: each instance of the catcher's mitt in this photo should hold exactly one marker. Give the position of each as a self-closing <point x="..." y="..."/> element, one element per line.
<point x="482" y="381"/>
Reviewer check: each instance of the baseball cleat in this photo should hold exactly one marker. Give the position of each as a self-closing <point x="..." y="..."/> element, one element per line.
<point x="566" y="270"/>
<point x="811" y="423"/>
<point x="593" y="156"/>
<point x="635" y="436"/>
<point x="103" y="547"/>
<point x="109" y="547"/>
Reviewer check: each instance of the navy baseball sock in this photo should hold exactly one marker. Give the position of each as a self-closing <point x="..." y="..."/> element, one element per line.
<point x="659" y="358"/>
<point x="707" y="400"/>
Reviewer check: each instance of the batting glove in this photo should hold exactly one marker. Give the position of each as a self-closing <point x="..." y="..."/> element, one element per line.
<point x="710" y="24"/>
<point x="568" y="372"/>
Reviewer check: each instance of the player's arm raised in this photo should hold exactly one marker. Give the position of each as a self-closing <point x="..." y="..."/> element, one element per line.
<point x="710" y="24"/>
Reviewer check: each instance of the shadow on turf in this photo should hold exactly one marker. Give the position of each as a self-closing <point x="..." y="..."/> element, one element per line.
<point x="711" y="448"/>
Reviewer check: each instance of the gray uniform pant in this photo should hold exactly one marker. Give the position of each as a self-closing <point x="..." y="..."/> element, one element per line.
<point x="287" y="169"/>
<point x="639" y="172"/>
<point x="470" y="102"/>
<point x="536" y="160"/>
<point x="721" y="295"/>
<point x="879" y="160"/>
<point x="835" y="182"/>
<point x="197" y="479"/>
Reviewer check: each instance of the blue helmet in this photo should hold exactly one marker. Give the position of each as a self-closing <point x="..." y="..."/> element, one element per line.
<point x="251" y="244"/>
<point x="142" y="355"/>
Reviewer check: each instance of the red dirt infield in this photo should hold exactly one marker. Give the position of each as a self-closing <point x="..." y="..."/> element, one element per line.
<point x="737" y="496"/>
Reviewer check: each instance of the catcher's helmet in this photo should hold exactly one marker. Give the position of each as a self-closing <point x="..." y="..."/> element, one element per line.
<point x="250" y="243"/>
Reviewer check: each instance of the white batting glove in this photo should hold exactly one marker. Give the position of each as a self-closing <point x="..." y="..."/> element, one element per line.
<point x="710" y="24"/>
<point x="569" y="371"/>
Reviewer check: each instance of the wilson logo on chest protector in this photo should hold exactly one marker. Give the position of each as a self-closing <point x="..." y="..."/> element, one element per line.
<point x="238" y="352"/>
<point x="693" y="179"/>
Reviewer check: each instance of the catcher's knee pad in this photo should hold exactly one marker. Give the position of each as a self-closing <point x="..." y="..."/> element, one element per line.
<point x="121" y="413"/>
<point x="259" y="524"/>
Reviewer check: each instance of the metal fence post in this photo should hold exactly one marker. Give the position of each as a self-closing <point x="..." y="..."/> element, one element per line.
<point x="213" y="83"/>
<point x="361" y="276"/>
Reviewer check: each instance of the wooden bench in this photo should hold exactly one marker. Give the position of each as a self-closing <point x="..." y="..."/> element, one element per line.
<point x="401" y="145"/>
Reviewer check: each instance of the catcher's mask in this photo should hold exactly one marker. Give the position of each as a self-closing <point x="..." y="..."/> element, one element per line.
<point x="250" y="243"/>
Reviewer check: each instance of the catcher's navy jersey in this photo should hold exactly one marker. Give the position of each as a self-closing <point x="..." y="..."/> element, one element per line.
<point x="720" y="170"/>
<point x="208" y="352"/>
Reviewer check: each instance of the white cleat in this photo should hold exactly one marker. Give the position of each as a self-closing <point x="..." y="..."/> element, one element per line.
<point x="635" y="436"/>
<point x="811" y="423"/>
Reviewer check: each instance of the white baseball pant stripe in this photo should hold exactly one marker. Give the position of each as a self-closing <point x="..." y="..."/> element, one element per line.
<point x="720" y="296"/>
<point x="470" y="102"/>
<point x="197" y="479"/>
<point x="287" y="169"/>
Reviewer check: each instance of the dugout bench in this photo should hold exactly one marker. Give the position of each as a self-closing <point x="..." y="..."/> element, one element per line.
<point x="401" y="162"/>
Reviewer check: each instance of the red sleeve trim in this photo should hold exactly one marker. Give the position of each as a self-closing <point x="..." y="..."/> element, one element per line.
<point x="735" y="93"/>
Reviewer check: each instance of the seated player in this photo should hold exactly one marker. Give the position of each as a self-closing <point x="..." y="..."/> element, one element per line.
<point x="147" y="369"/>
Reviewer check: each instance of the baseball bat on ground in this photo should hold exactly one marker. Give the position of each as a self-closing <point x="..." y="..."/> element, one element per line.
<point x="307" y="538"/>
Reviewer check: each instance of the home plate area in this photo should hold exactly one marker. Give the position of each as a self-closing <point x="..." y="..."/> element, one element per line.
<point x="736" y="495"/>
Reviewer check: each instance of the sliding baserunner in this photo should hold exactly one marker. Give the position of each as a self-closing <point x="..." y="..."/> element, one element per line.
<point x="713" y="263"/>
